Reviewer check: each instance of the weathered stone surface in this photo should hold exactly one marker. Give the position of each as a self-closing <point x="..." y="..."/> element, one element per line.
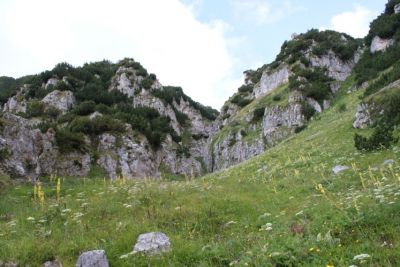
<point x="337" y="68"/>
<point x="379" y="44"/>
<point x="95" y="258"/>
<point x="15" y="104"/>
<point x="61" y="100"/>
<point x="270" y="81"/>
<point x="152" y="243"/>
<point x="232" y="149"/>
<point x="339" y="169"/>
<point x="363" y="116"/>
<point x="73" y="164"/>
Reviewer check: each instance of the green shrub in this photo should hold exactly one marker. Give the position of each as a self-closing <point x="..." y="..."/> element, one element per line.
<point x="342" y="107"/>
<point x="147" y="82"/>
<point x="246" y="88"/>
<point x="381" y="138"/>
<point x="4" y="154"/>
<point x="84" y="108"/>
<point x="299" y="129"/>
<point x="68" y="141"/>
<point x="52" y="112"/>
<point x="276" y="98"/>
<point x="96" y="126"/>
<point x="5" y="181"/>
<point x="307" y="110"/>
<point x="258" y="114"/>
<point x="183" y="151"/>
<point x="35" y="108"/>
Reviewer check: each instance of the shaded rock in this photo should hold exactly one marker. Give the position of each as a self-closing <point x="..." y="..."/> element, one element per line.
<point x="271" y="80"/>
<point x="51" y="82"/>
<point x="339" y="169"/>
<point x="94" y="258"/>
<point x="152" y="243"/>
<point x="379" y="44"/>
<point x="363" y="117"/>
<point x="389" y="162"/>
<point x="61" y="100"/>
<point x="314" y="104"/>
<point x="95" y="115"/>
<point x="397" y="9"/>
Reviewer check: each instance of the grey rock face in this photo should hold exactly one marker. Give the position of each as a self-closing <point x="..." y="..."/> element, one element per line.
<point x="279" y="122"/>
<point x="339" y="169"/>
<point x="270" y="81"/>
<point x="126" y="81"/>
<point x="15" y="104"/>
<point x="232" y="150"/>
<point x="73" y="164"/>
<point x="363" y="117"/>
<point x="397" y="9"/>
<point x="379" y="44"/>
<point x="152" y="243"/>
<point x="61" y="100"/>
<point x="95" y="258"/>
<point x="337" y="69"/>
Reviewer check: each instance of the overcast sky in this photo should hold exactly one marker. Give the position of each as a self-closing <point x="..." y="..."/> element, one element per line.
<point x="202" y="45"/>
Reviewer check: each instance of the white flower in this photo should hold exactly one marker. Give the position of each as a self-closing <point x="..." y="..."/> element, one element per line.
<point x="229" y="223"/>
<point x="30" y="219"/>
<point x="266" y="227"/>
<point x="361" y="257"/>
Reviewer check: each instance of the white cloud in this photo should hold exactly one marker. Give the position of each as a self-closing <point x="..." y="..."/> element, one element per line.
<point x="263" y="12"/>
<point x="355" y="22"/>
<point x="163" y="35"/>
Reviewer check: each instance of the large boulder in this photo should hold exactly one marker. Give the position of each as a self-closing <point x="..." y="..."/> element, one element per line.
<point x="61" y="100"/>
<point x="379" y="44"/>
<point x="94" y="258"/>
<point x="152" y="243"/>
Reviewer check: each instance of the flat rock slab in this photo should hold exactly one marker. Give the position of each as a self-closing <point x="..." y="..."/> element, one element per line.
<point x="94" y="258"/>
<point x="152" y="243"/>
<point x="339" y="169"/>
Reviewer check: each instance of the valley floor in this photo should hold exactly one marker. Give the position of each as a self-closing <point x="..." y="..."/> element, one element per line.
<point x="283" y="208"/>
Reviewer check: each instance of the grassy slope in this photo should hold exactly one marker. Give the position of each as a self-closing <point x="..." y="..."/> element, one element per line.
<point x="317" y="218"/>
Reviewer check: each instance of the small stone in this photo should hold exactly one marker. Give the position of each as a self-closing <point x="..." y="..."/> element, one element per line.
<point x="94" y="258"/>
<point x="11" y="264"/>
<point x="152" y="243"/>
<point x="54" y="263"/>
<point x="388" y="162"/>
<point x="339" y="168"/>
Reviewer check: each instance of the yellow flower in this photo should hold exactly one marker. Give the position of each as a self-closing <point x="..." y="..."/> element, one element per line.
<point x="328" y="265"/>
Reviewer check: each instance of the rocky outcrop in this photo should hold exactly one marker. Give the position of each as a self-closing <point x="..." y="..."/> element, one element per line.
<point x="73" y="164"/>
<point x="126" y="81"/>
<point x="233" y="149"/>
<point x="337" y="68"/>
<point x="126" y="156"/>
<point x="280" y="122"/>
<point x="379" y="44"/>
<point x="51" y="82"/>
<point x="61" y="100"/>
<point x="17" y="104"/>
<point x="363" y="116"/>
<point x="271" y="80"/>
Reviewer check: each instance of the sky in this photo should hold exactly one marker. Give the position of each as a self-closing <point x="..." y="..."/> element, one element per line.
<point x="201" y="45"/>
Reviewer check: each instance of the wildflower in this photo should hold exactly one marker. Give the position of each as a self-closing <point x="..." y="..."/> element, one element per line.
<point x="329" y="265"/>
<point x="126" y="255"/>
<point x="266" y="227"/>
<point x="229" y="223"/>
<point x="362" y="257"/>
<point x="265" y="215"/>
<point x="30" y="219"/>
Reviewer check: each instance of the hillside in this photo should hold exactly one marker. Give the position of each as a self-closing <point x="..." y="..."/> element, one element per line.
<point x="300" y="168"/>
